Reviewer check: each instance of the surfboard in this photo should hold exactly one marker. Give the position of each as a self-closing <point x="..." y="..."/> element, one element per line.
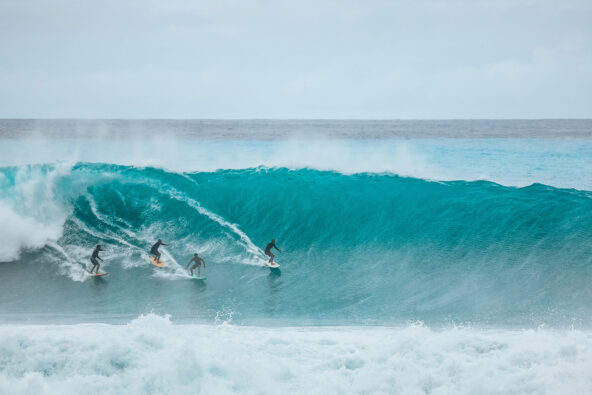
<point x="197" y="278"/>
<point x="274" y="266"/>
<point x="98" y="274"/>
<point x="159" y="264"/>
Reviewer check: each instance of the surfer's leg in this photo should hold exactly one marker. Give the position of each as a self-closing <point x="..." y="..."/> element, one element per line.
<point x="270" y="255"/>
<point x="157" y="255"/>
<point x="95" y="263"/>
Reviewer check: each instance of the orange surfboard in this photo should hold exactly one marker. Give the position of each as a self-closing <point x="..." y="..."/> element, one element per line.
<point x="159" y="264"/>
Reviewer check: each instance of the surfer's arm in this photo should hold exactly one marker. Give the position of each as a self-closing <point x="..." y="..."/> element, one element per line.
<point x="276" y="247"/>
<point x="188" y="264"/>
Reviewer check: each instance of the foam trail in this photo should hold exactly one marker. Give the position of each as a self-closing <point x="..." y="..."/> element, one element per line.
<point x="250" y="246"/>
<point x="103" y="236"/>
<point x="97" y="235"/>
<point x="95" y="211"/>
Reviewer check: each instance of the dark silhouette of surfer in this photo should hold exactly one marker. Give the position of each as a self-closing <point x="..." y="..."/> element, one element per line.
<point x="154" y="250"/>
<point x="198" y="261"/>
<point x="269" y="253"/>
<point x="94" y="257"/>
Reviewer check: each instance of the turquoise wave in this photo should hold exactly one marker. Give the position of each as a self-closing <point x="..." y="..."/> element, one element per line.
<point x="355" y="248"/>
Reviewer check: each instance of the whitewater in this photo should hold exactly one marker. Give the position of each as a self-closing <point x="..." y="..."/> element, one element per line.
<point x="417" y="256"/>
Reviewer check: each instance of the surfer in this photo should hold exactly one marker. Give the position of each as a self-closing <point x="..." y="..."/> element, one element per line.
<point x="198" y="261"/>
<point x="94" y="257"/>
<point x="268" y="251"/>
<point x="154" y="250"/>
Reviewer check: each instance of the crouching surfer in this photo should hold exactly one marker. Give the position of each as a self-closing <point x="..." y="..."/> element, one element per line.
<point x="268" y="251"/>
<point x="154" y="250"/>
<point x="94" y="261"/>
<point x="198" y="261"/>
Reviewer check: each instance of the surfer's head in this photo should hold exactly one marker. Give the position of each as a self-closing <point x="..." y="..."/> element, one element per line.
<point x="99" y="247"/>
<point x="195" y="254"/>
<point x="160" y="241"/>
<point x="273" y="240"/>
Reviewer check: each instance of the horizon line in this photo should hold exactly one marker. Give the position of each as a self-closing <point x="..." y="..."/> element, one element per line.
<point x="296" y="119"/>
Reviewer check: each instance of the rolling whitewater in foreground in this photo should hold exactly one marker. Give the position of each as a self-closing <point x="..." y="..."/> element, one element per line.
<point x="418" y="257"/>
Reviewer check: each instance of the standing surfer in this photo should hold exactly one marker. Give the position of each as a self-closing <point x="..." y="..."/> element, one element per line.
<point x="268" y="251"/>
<point x="154" y="250"/>
<point x="94" y="257"/>
<point x="198" y="261"/>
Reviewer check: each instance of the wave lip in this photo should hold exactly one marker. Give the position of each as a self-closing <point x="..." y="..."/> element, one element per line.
<point x="563" y="163"/>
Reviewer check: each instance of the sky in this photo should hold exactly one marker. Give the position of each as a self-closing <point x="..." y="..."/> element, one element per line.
<point x="348" y="59"/>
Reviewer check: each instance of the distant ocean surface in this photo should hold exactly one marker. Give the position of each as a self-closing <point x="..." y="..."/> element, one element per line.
<point x="417" y="256"/>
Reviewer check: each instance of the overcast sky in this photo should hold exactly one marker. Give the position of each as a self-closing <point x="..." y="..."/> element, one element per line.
<point x="295" y="59"/>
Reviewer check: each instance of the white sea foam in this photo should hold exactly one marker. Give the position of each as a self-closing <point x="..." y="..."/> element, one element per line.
<point x="30" y="214"/>
<point x="19" y="232"/>
<point x="153" y="355"/>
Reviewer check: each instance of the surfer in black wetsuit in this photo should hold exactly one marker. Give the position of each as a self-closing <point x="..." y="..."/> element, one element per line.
<point x="198" y="261"/>
<point x="269" y="253"/>
<point x="154" y="250"/>
<point x="94" y="257"/>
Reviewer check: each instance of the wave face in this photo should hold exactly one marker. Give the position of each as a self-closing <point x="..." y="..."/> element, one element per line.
<point x="364" y="248"/>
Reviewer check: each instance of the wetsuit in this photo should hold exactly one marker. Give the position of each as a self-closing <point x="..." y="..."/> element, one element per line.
<point x="94" y="257"/>
<point x="154" y="250"/>
<point x="268" y="251"/>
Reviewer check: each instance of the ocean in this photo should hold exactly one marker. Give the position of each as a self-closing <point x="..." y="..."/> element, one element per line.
<point x="417" y="257"/>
